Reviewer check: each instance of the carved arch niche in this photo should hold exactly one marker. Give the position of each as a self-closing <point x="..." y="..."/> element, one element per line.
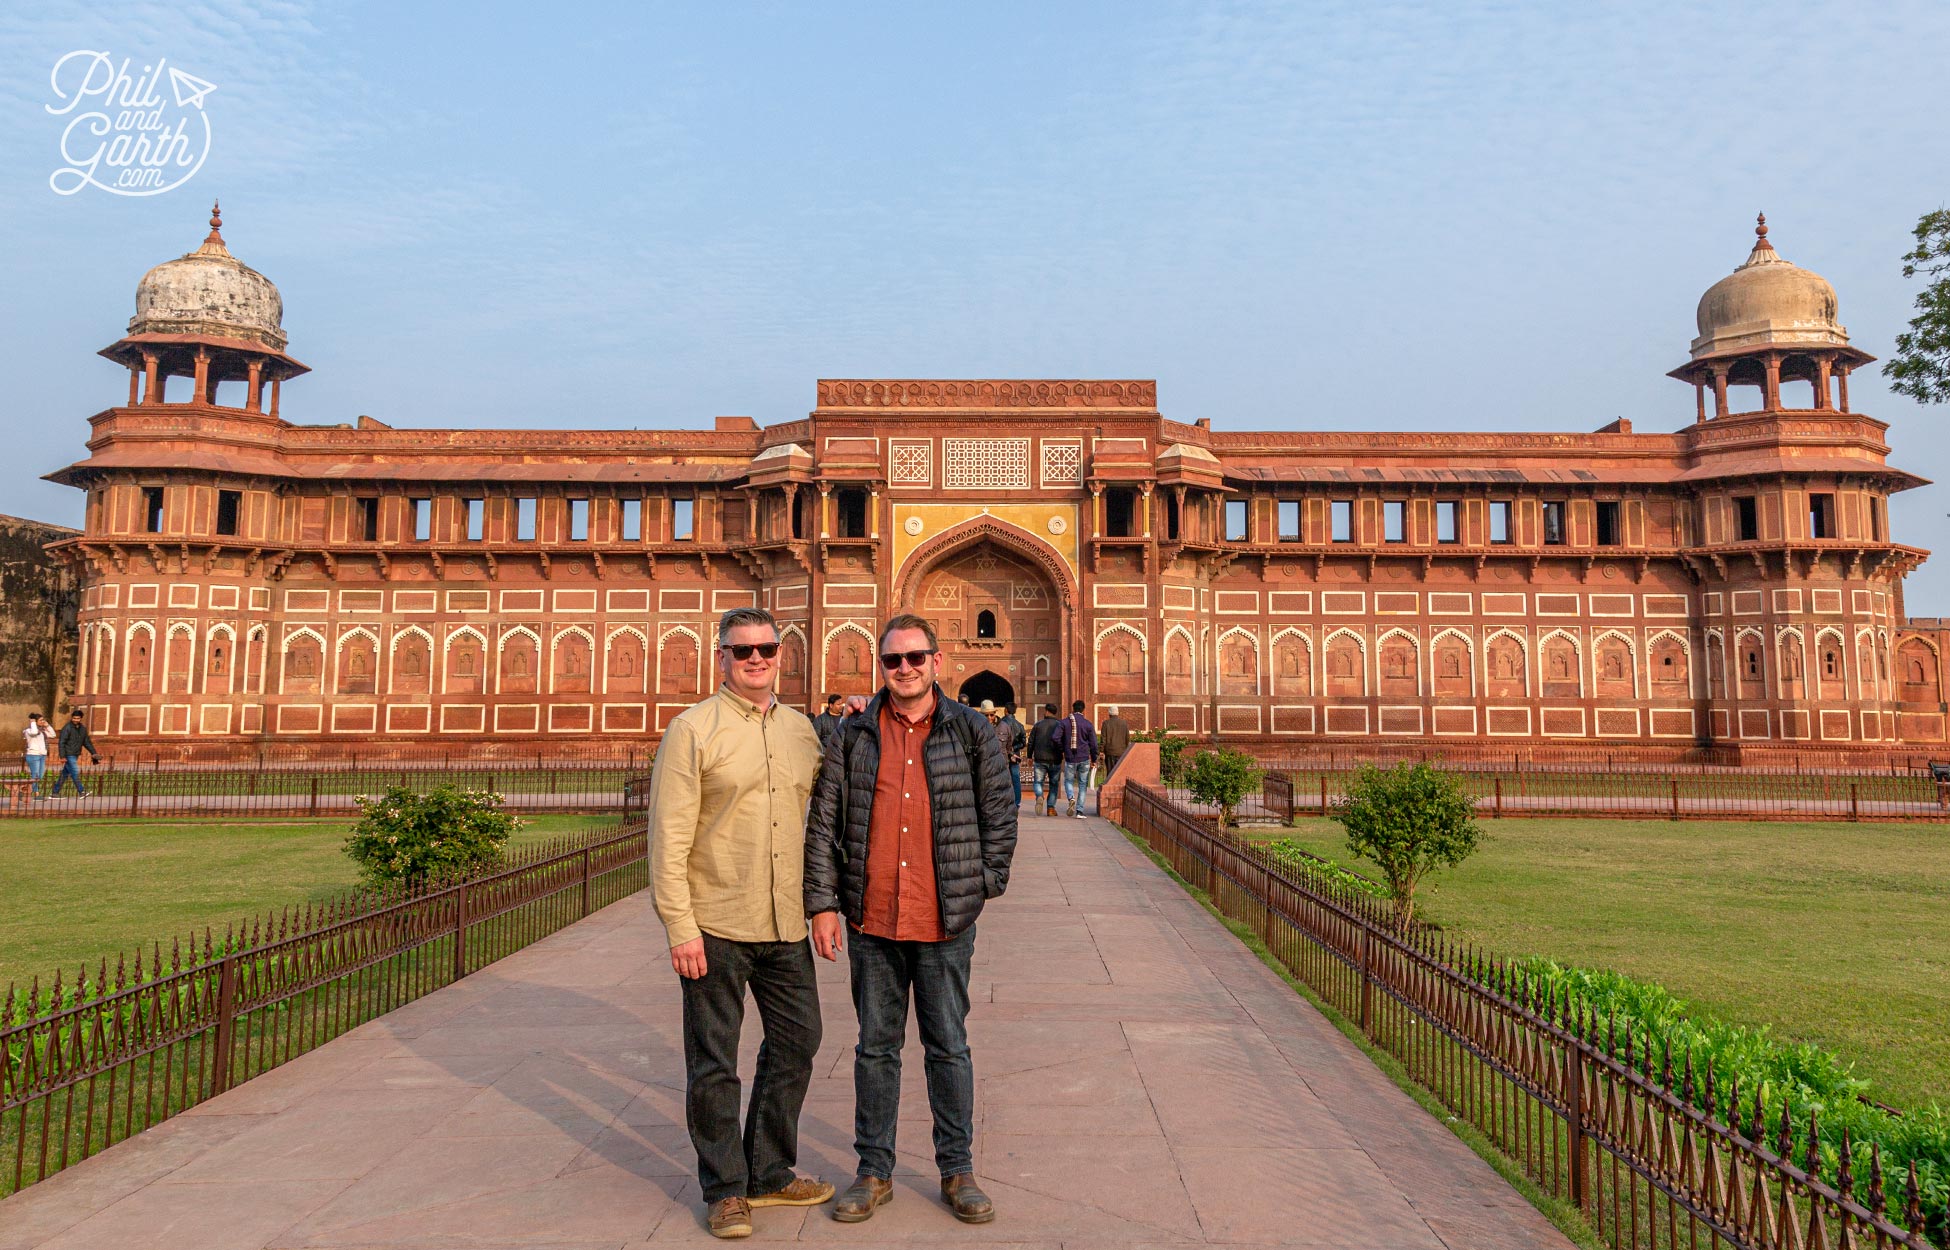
<point x="304" y="661"/>
<point x="1865" y="666"/>
<point x="1451" y="666"/>
<point x="1788" y="654"/>
<point x="623" y="662"/>
<point x="1180" y="677"/>
<point x="1916" y="672"/>
<point x="219" y="660"/>
<point x="466" y="662"/>
<point x="254" y="649"/>
<point x="792" y="664"/>
<point x="520" y="657"/>
<point x="1293" y="665"/>
<point x="1562" y="678"/>
<point x="569" y="668"/>
<point x="180" y="657"/>
<point x="412" y="667"/>
<point x="1668" y="666"/>
<point x="1239" y="664"/>
<point x="677" y="661"/>
<point x="1716" y="665"/>
<point x="103" y="676"/>
<point x="1611" y="658"/>
<point x="358" y="663"/>
<point x="1346" y="664"/>
<point x="136" y="677"/>
<point x="1400" y="664"/>
<point x="1120" y="661"/>
<point x="1831" y="665"/>
<point x="1506" y="670"/>
<point x="1750" y="668"/>
<point x="849" y="661"/>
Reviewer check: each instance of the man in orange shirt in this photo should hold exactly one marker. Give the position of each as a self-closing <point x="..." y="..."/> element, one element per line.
<point x="911" y="829"/>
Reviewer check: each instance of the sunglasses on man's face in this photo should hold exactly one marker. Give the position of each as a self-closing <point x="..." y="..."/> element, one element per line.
<point x="743" y="650"/>
<point x="892" y="660"/>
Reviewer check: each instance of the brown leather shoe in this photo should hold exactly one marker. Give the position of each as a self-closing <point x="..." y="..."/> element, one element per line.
<point x="729" y="1218"/>
<point x="861" y="1197"/>
<point x="804" y="1191"/>
<point x="966" y="1199"/>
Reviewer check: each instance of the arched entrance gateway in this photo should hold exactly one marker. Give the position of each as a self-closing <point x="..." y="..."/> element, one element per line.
<point x="1002" y="615"/>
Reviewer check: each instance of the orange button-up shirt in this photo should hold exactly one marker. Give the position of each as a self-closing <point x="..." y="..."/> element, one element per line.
<point x="901" y="900"/>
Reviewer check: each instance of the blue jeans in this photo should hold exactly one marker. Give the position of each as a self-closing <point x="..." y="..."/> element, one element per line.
<point x="1015" y="781"/>
<point x="885" y="972"/>
<point x="1048" y="781"/>
<point x="71" y="767"/>
<point x="1076" y="779"/>
<point x="37" y="772"/>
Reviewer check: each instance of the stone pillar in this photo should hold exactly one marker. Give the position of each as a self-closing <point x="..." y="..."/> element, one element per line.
<point x="275" y="383"/>
<point x="873" y="511"/>
<point x="1719" y="390"/>
<point x="135" y="385"/>
<point x="201" y="393"/>
<point x="1771" y="392"/>
<point x="1843" y="372"/>
<point x="1823" y="401"/>
<point x="1144" y="496"/>
<point x="825" y="509"/>
<point x="256" y="400"/>
<point x="1699" y="401"/>
<point x="151" y="391"/>
<point x="1097" y="510"/>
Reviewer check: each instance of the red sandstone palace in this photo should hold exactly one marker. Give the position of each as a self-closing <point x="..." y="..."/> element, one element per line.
<point x="247" y="579"/>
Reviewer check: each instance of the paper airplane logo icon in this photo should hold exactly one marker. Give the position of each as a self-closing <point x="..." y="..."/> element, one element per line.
<point x="189" y="89"/>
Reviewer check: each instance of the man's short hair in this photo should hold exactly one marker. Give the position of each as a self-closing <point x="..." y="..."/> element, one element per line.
<point x="745" y="616"/>
<point x="1049" y="709"/>
<point x="1076" y="705"/>
<point x="75" y="715"/>
<point x="831" y="699"/>
<point x="1008" y="709"/>
<point x="1111" y="710"/>
<point x="909" y="620"/>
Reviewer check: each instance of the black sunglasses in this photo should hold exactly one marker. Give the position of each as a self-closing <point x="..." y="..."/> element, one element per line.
<point x="891" y="660"/>
<point x="743" y="650"/>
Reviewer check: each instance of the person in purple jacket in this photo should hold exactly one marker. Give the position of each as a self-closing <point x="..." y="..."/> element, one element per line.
<point x="1078" y="739"/>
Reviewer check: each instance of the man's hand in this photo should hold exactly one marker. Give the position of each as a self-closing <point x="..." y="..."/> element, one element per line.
<point x="687" y="958"/>
<point x="828" y="934"/>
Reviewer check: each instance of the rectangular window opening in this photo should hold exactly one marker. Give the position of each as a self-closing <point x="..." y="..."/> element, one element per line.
<point x="1394" y="520"/>
<point x="632" y="520"/>
<point x="1875" y="519"/>
<point x="1343" y="510"/>
<point x="851" y="505"/>
<point x="1553" y="522"/>
<point x="1608" y="523"/>
<point x="227" y="501"/>
<point x="1120" y="513"/>
<point x="1746" y="519"/>
<point x="578" y="520"/>
<point x="1290" y="520"/>
<point x="680" y="519"/>
<point x="1448" y="526"/>
<point x="152" y="509"/>
<point x="476" y="519"/>
<point x="1500" y="521"/>
<point x="422" y="519"/>
<point x="524" y="520"/>
<point x="365" y="512"/>
<point x="1821" y="515"/>
<point x="1236" y="521"/>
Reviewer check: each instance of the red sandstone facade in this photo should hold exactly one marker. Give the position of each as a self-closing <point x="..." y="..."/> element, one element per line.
<point x="246" y="579"/>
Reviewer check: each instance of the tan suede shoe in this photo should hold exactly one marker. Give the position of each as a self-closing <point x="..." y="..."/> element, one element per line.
<point x="804" y="1191"/>
<point x="861" y="1197"/>
<point x="966" y="1199"/>
<point x="729" y="1218"/>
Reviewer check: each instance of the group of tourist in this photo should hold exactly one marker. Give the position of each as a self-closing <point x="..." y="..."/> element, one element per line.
<point x="878" y="829"/>
<point x="71" y="743"/>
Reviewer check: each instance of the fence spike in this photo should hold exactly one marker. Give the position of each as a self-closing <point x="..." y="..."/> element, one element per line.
<point x="1811" y="1161"/>
<point x="1686" y="1088"/>
<point x="1845" y="1174"/>
<point x="1757" y="1130"/>
<point x="1665" y="1062"/>
<point x="1611" y="1033"/>
<point x="1913" y="1206"/>
<point x="1784" y="1143"/>
<point x="1878" y="1202"/>
<point x="175" y="955"/>
<point x="1712" y="1103"/>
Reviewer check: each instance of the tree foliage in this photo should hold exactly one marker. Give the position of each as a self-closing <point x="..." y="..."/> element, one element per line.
<point x="406" y="838"/>
<point x="1222" y="778"/>
<point x="1920" y="368"/>
<point x="1170" y="752"/>
<point x="1409" y="821"/>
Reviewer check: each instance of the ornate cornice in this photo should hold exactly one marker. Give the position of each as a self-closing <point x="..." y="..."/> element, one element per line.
<point x="986" y="393"/>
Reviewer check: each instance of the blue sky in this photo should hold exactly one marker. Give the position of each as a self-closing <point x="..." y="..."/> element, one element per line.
<point x="1358" y="216"/>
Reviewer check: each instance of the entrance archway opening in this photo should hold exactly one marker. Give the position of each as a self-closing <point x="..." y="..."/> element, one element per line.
<point x="998" y="613"/>
<point x="987" y="685"/>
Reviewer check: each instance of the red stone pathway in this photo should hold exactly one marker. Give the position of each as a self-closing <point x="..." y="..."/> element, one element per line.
<point x="1144" y="1080"/>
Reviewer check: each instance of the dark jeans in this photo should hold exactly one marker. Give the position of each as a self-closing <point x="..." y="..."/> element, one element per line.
<point x="780" y="975"/>
<point x="1049" y="783"/>
<point x="1015" y="781"/>
<point x="884" y="972"/>
<point x="70" y="768"/>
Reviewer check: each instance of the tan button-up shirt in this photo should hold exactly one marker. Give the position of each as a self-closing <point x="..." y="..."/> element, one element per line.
<point x="728" y="821"/>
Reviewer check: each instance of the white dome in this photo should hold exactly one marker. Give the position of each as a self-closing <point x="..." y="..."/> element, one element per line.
<point x="210" y="293"/>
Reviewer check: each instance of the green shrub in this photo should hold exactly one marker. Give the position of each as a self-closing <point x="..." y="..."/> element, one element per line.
<point x="1222" y="778"/>
<point x="1409" y="821"/>
<point x="1287" y="851"/>
<point x="1170" y="753"/>
<point x="406" y="838"/>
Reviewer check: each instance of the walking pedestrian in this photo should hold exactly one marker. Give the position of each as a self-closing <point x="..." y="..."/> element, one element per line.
<point x="1046" y="758"/>
<point x="1115" y="737"/>
<point x="1015" y="741"/>
<point x="727" y="848"/>
<point x="829" y="718"/>
<point x="39" y="738"/>
<point x="1078" y="739"/>
<point x="73" y="741"/>
<point x="911" y="831"/>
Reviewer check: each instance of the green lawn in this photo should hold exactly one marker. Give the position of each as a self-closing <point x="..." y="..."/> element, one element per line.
<point x="1831" y="933"/>
<point x="73" y="890"/>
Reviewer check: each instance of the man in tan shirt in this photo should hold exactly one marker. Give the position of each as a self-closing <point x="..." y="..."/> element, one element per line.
<point x="727" y="857"/>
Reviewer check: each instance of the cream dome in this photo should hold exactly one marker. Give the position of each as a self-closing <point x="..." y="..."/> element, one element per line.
<point x="1767" y="302"/>
<point x="210" y="293"/>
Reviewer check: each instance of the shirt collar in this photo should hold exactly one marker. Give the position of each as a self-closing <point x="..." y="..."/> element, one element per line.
<point x="745" y="707"/>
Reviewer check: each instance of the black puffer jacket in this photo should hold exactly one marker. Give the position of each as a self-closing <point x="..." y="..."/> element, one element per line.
<point x="968" y="789"/>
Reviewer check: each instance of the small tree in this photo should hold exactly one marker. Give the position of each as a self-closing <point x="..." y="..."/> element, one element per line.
<point x="1409" y="820"/>
<point x="1222" y="778"/>
<point x="405" y="838"/>
<point x="1920" y="368"/>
